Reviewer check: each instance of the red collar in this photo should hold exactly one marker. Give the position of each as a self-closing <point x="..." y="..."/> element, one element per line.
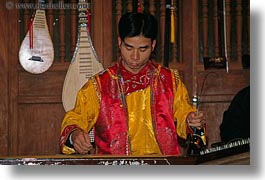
<point x="135" y="82"/>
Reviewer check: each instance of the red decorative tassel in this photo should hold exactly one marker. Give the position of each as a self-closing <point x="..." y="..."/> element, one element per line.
<point x="31" y="33"/>
<point x="139" y="8"/>
<point x="88" y="20"/>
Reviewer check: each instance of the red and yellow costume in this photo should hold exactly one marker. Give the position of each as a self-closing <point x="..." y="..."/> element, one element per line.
<point x="133" y="114"/>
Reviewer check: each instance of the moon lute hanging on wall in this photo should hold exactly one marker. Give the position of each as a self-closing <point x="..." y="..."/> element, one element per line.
<point x="85" y="61"/>
<point x="36" y="53"/>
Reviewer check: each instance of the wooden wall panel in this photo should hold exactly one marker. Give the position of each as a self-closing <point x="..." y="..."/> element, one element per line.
<point x="4" y="80"/>
<point x="40" y="111"/>
<point x="39" y="128"/>
<point x="218" y="82"/>
<point x="214" y="113"/>
<point x="46" y="84"/>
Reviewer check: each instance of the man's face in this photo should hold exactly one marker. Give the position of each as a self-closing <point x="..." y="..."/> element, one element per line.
<point x="135" y="52"/>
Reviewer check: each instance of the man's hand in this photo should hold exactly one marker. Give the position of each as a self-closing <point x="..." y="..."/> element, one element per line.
<point x="195" y="119"/>
<point x="81" y="141"/>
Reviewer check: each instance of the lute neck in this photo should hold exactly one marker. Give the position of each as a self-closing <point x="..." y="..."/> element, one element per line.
<point x="84" y="13"/>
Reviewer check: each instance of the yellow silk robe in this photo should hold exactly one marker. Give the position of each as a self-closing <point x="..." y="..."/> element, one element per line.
<point x="141" y="134"/>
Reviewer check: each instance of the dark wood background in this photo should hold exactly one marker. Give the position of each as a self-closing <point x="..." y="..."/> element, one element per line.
<point x="31" y="108"/>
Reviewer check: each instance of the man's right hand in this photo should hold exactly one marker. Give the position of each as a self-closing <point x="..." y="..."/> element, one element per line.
<point x="81" y="141"/>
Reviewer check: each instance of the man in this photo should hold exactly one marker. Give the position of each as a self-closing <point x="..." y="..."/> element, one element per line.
<point x="136" y="107"/>
<point x="236" y="119"/>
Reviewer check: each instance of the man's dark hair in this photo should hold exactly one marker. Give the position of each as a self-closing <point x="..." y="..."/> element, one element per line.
<point x="136" y="24"/>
